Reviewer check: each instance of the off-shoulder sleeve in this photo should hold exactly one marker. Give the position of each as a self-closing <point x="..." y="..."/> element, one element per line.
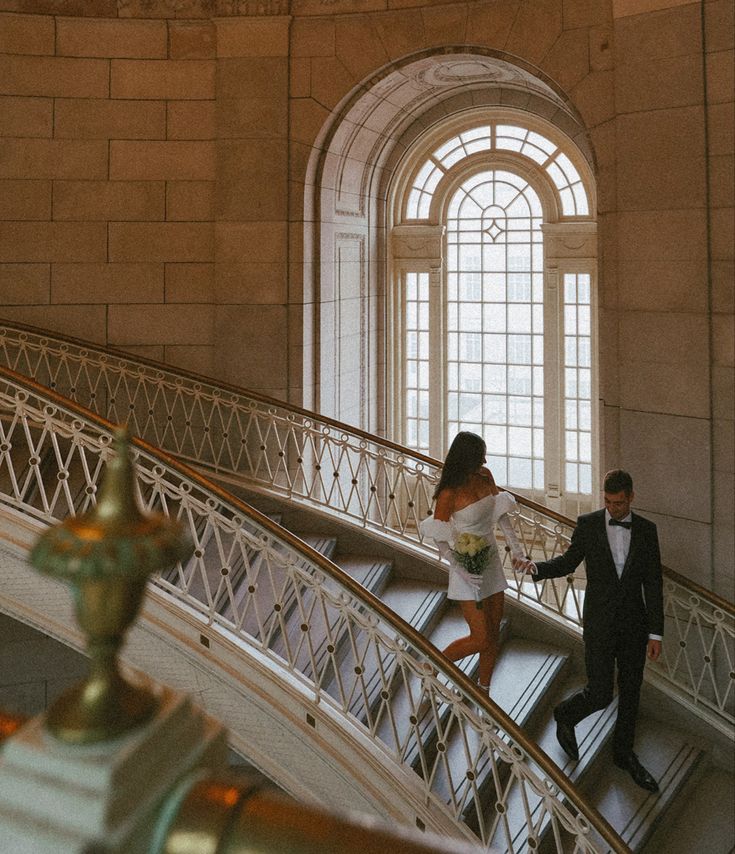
<point x="437" y="530"/>
<point x="504" y="503"/>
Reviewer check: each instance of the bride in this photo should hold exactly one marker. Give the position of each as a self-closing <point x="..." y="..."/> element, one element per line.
<point x="469" y="502"/>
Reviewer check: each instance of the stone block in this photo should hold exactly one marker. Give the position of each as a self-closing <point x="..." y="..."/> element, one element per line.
<point x="723" y="289"/>
<point x="183" y="80"/>
<point x="330" y="80"/>
<point x="105" y="119"/>
<point x="339" y="7"/>
<point x="535" y="29"/>
<point x="444" y="24"/>
<point x="169" y="241"/>
<point x="189" y="282"/>
<point x="80" y="321"/>
<point x="313" y="37"/>
<point x="53" y="158"/>
<point x="109" y="200"/>
<point x="307" y="118"/>
<point x="192" y="40"/>
<point x="674" y="389"/>
<point x="238" y="37"/>
<point x="258" y="77"/>
<point x="723" y="391"/>
<point x="684" y="544"/>
<point x="671" y="133"/>
<point x="253" y="346"/>
<point x="161" y="324"/>
<point x="255" y="283"/>
<point x="25" y="200"/>
<point x="594" y="97"/>
<point x="723" y="435"/>
<point x="723" y="339"/>
<point x="665" y="338"/>
<point x="401" y="31"/>
<point x="299" y="78"/>
<point x="662" y="183"/>
<point x="198" y="360"/>
<point x="720" y="72"/>
<point x="585" y="13"/>
<point x="26" y="34"/>
<point x="659" y="84"/>
<point x="568" y="61"/>
<point x="721" y="128"/>
<point x="724" y="497"/>
<point x="26" y="117"/>
<point x="663" y="285"/>
<point x="648" y="444"/>
<point x="360" y="29"/>
<point x="722" y="229"/>
<point x="170" y="161"/>
<point x="602" y="56"/>
<point x="251" y="118"/>
<point x="662" y="235"/>
<point x="101" y="37"/>
<point x="191" y="201"/>
<point x="54" y="77"/>
<point x="156" y="353"/>
<point x="721" y="180"/>
<point x="250" y="242"/>
<point x="719" y="26"/>
<point x="191" y="120"/>
<point x="52" y="241"/>
<point x="252" y="180"/>
<point x="107" y="283"/>
<point x="25" y="284"/>
<point x="659" y="35"/>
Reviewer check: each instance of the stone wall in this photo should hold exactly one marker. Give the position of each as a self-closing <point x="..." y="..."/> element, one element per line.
<point x="154" y="170"/>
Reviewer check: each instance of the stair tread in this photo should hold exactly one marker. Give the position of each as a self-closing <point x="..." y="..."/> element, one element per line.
<point x="670" y="757"/>
<point x="709" y="806"/>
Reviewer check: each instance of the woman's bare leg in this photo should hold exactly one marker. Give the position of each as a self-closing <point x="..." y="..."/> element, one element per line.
<point x="484" y="636"/>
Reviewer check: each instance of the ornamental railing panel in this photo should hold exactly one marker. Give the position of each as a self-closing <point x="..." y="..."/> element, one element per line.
<point x="251" y="579"/>
<point x="368" y="482"/>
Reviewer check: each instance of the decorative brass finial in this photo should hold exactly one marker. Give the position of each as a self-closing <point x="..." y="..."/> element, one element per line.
<point x="106" y="555"/>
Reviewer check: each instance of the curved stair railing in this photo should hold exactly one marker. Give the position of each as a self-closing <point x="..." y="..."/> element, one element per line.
<point x="252" y="579"/>
<point x="369" y="482"/>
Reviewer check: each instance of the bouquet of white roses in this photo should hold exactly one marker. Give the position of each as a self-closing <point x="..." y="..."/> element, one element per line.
<point x="472" y="552"/>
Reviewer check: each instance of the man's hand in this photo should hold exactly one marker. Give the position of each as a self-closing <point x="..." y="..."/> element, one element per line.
<point x="654" y="649"/>
<point x="524" y="565"/>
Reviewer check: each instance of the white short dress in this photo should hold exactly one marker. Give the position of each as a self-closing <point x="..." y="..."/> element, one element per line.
<point x="478" y="518"/>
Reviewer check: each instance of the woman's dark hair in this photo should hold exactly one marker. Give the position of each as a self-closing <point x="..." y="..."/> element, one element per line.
<point x="465" y="455"/>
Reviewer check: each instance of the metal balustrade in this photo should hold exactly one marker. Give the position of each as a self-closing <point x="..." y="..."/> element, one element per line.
<point x="366" y="481"/>
<point x="253" y="580"/>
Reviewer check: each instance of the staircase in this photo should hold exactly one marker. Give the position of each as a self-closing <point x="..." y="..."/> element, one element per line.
<point x="414" y="710"/>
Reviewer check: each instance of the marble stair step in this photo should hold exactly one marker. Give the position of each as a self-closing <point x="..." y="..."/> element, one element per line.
<point x="592" y="734"/>
<point x="450" y="626"/>
<point x="417" y="602"/>
<point x="308" y="650"/>
<point x="671" y="757"/>
<point x="524" y="674"/>
<point x="705" y="807"/>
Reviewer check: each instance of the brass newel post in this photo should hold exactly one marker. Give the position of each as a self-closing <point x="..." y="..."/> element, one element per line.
<point x="106" y="555"/>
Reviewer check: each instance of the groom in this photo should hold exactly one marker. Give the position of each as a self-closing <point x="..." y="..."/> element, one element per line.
<point x="623" y="616"/>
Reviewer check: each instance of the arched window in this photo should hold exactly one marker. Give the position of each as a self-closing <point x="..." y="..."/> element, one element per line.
<point x="492" y="310"/>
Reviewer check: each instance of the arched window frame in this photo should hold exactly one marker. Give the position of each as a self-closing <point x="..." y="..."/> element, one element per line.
<point x="569" y="249"/>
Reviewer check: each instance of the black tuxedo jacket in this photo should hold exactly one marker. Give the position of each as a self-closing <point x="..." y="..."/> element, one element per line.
<point x="633" y="602"/>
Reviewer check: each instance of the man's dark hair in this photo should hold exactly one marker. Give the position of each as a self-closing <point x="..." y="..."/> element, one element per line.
<point x="618" y="480"/>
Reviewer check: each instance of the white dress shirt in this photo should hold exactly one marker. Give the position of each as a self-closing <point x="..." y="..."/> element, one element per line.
<point x="619" y="539"/>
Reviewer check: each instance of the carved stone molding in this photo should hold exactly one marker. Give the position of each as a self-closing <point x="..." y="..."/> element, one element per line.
<point x="569" y="240"/>
<point x="418" y="241"/>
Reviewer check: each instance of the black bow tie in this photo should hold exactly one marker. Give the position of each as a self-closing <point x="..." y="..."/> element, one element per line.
<point x="621" y="524"/>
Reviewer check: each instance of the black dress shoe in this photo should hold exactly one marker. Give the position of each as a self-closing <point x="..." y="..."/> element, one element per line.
<point x="567" y="739"/>
<point x="640" y="776"/>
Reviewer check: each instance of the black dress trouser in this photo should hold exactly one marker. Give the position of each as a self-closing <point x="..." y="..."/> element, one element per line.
<point x="627" y="649"/>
